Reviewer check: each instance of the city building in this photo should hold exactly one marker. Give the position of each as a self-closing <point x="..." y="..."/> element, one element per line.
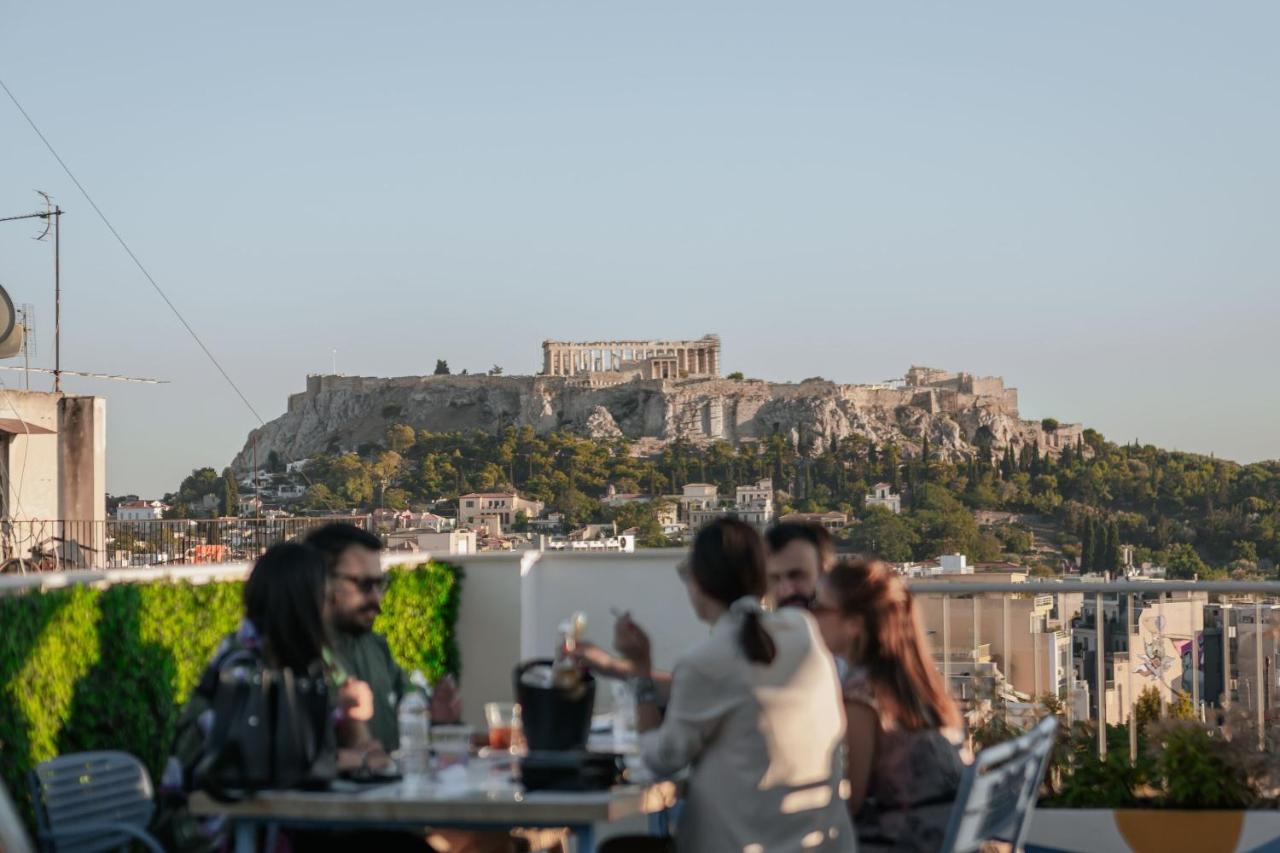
<point x="495" y="510"/>
<point x="754" y="503"/>
<point x="592" y="537"/>
<point x="698" y="496"/>
<point x="1025" y="635"/>
<point x="53" y="466"/>
<point x="882" y="495"/>
<point x="140" y="511"/>
<point x="433" y="542"/>
<point x="831" y="520"/>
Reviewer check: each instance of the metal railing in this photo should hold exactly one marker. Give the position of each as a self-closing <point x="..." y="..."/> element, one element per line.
<point x="1239" y="616"/>
<point x="34" y="545"/>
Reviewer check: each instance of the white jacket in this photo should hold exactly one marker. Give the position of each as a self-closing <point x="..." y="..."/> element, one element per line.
<point x="764" y="743"/>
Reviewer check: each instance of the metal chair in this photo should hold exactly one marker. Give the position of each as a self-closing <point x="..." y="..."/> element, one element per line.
<point x="13" y="835"/>
<point x="997" y="793"/>
<point x="92" y="801"/>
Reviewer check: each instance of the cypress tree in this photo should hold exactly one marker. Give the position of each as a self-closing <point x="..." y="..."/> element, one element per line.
<point x="1099" y="557"/>
<point x="1086" y="546"/>
<point x="1114" y="544"/>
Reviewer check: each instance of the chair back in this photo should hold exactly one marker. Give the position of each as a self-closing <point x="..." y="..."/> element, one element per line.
<point x="87" y="789"/>
<point x="997" y="793"/>
<point x="13" y="835"/>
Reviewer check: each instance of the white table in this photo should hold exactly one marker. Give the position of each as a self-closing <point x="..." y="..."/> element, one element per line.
<point x="478" y="799"/>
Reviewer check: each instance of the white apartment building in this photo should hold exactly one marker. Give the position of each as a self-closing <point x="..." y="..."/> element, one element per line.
<point x="140" y="511"/>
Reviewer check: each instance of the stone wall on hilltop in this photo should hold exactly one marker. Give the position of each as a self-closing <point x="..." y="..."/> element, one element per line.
<point x="345" y="412"/>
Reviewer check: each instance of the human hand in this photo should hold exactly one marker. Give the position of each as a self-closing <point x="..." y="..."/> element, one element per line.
<point x="355" y="700"/>
<point x="632" y="642"/>
<point x="601" y="662"/>
<point x="446" y="703"/>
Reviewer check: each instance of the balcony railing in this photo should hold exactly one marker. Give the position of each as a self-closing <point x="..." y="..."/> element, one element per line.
<point x="69" y="545"/>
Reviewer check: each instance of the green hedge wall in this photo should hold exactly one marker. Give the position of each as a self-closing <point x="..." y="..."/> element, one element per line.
<point x="109" y="668"/>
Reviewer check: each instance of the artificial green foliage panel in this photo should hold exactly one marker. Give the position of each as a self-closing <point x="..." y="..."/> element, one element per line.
<point x="428" y="644"/>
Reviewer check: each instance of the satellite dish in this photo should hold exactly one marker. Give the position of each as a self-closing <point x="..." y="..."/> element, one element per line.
<point x="11" y="333"/>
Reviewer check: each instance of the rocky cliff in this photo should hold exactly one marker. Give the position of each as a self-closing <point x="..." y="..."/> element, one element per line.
<point x="956" y="412"/>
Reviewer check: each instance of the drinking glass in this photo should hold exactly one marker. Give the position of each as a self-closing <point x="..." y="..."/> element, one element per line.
<point x="501" y="719"/>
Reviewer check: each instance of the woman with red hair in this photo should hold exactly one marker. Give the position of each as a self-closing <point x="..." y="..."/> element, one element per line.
<point x="904" y="735"/>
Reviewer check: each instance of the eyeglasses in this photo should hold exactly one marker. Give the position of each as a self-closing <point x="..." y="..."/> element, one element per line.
<point x="367" y="586"/>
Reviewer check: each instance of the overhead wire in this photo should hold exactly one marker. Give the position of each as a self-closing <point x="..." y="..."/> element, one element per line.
<point x="128" y="251"/>
<point x="141" y="267"/>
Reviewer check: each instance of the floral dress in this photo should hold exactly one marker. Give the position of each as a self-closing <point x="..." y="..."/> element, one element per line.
<point x="914" y="777"/>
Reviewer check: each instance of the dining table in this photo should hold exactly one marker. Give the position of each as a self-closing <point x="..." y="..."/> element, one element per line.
<point x="482" y="794"/>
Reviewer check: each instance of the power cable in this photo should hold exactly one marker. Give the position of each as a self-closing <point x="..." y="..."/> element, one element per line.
<point x="124" y="245"/>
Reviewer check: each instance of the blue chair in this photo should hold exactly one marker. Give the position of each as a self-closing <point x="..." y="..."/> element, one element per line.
<point x="88" y="802"/>
<point x="13" y="835"/>
<point x="997" y="793"/>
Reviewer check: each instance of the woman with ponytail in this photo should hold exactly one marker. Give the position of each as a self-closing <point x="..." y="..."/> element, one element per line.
<point x="754" y="711"/>
<point x="903" y="746"/>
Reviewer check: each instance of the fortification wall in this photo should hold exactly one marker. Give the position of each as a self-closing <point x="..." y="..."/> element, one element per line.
<point x="346" y="412"/>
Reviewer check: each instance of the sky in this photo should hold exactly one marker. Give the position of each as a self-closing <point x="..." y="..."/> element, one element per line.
<point x="1080" y="197"/>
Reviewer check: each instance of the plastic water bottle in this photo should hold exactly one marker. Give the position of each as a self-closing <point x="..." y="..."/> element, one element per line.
<point x="624" y="715"/>
<point x="413" y="716"/>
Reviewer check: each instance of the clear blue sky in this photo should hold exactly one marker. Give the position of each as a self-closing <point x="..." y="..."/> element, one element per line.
<point x="1082" y="197"/>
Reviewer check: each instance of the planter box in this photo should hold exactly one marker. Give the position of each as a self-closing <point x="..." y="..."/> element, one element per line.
<point x="1153" y="831"/>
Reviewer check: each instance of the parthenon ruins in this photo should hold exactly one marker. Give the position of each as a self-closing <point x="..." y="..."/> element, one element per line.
<point x="645" y="359"/>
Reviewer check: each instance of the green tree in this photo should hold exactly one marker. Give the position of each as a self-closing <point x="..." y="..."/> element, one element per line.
<point x="1147" y="708"/>
<point x="274" y="463"/>
<point x="1244" y="550"/>
<point x="230" y="495"/>
<point x="736" y="376"/>
<point x="384" y="472"/>
<point x="1182" y="708"/>
<point x="320" y="497"/>
<point x="200" y="482"/>
<point x="351" y="480"/>
<point x="400" y="437"/>
<point x="1113" y="545"/>
<point x="1183" y="563"/>
<point x="442" y="367"/>
<point x="946" y="526"/>
<point x="644" y="518"/>
<point x="520" y="523"/>
<point x="885" y="534"/>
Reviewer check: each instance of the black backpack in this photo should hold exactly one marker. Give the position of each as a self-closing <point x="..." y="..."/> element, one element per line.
<point x="272" y="729"/>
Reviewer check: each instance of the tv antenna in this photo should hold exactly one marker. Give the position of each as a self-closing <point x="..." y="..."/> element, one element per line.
<point x="15" y="325"/>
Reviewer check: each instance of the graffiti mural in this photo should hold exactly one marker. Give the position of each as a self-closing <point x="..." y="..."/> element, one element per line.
<point x="1158" y="657"/>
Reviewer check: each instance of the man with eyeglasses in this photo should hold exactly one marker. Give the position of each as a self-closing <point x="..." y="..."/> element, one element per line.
<point x="357" y="584"/>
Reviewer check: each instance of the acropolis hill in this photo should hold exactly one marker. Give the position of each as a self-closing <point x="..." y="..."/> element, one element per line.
<point x="654" y="392"/>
